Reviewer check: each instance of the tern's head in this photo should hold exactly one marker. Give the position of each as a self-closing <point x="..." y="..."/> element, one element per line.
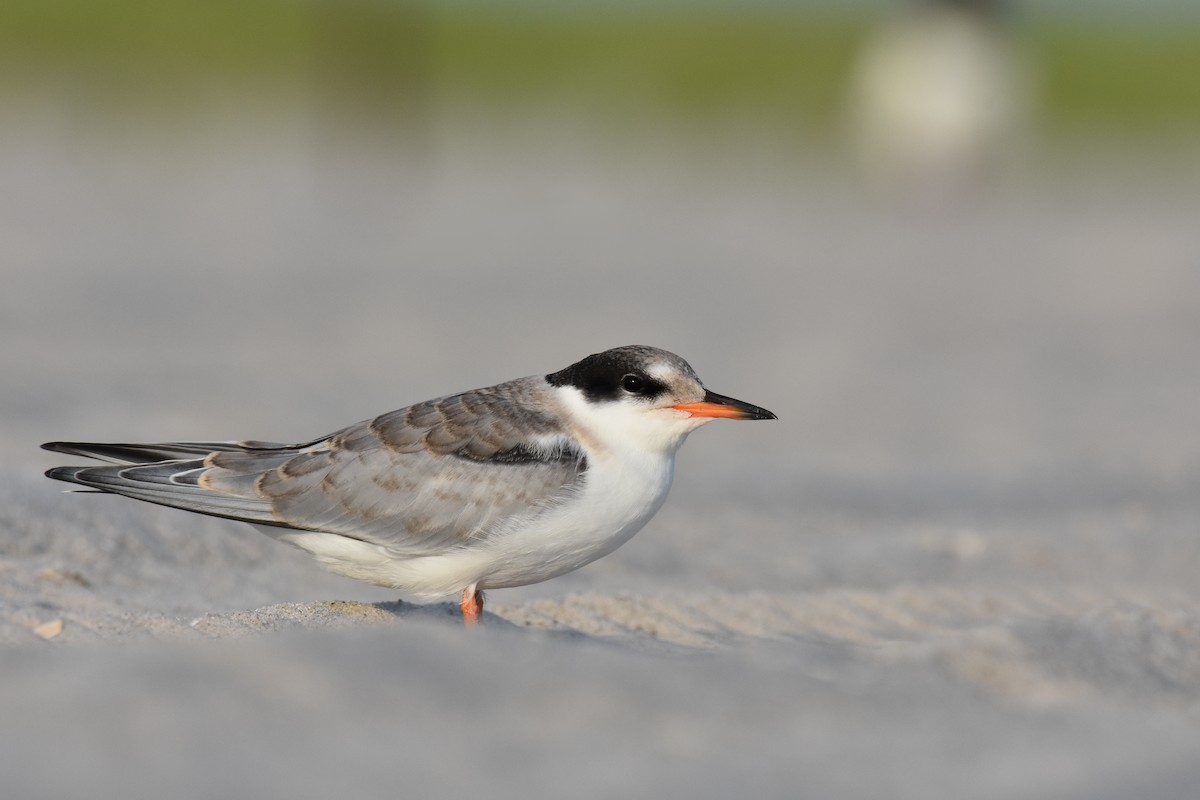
<point x="644" y="395"/>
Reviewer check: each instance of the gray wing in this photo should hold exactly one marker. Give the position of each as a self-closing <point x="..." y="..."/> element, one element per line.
<point x="415" y="481"/>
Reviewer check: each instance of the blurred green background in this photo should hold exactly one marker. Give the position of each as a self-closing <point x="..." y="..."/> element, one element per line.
<point x="1096" y="70"/>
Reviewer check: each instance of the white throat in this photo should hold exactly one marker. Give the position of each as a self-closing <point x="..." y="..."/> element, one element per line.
<point x="622" y="426"/>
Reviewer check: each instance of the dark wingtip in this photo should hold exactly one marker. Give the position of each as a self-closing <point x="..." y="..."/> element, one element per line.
<point x="63" y="474"/>
<point x="67" y="448"/>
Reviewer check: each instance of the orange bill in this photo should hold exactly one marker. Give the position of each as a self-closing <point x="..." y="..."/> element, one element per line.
<point x="716" y="405"/>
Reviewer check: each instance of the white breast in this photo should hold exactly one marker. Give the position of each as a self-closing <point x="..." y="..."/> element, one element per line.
<point x="619" y="496"/>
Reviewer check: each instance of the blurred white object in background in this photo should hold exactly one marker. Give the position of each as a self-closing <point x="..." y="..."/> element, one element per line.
<point x="935" y="100"/>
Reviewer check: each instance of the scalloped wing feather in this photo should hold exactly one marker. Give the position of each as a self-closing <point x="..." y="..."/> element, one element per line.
<point x="416" y="481"/>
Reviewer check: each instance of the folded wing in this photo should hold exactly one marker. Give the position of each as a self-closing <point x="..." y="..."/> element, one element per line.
<point x="415" y="481"/>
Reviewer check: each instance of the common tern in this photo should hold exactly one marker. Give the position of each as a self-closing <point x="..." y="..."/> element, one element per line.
<point x="498" y="487"/>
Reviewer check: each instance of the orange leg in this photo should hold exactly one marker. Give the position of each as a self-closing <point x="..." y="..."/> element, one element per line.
<point x="472" y="605"/>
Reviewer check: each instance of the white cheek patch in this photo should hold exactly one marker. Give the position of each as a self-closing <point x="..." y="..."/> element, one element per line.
<point x="622" y="426"/>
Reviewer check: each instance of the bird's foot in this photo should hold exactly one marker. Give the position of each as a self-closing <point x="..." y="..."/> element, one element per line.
<point x="472" y="605"/>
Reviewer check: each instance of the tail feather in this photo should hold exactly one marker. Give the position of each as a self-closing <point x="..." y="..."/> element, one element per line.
<point x="174" y="484"/>
<point x="183" y="475"/>
<point x="122" y="453"/>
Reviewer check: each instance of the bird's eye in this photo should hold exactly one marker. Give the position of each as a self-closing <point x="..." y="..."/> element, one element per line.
<point x="633" y="384"/>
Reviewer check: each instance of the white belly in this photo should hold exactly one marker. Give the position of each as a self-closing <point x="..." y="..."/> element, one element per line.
<point x="618" y="497"/>
<point x="616" y="502"/>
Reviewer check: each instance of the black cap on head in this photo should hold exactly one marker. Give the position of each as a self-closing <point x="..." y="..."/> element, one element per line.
<point x="620" y="372"/>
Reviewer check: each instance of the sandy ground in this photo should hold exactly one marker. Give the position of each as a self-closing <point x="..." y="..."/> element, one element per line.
<point x="963" y="564"/>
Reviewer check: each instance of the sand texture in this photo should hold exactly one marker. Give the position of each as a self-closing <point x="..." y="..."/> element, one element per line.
<point x="965" y="563"/>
